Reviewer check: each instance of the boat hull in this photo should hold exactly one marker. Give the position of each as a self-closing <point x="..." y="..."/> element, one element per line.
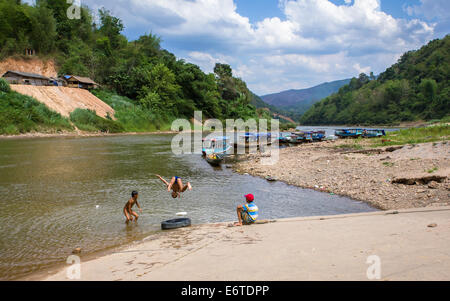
<point x="214" y="159"/>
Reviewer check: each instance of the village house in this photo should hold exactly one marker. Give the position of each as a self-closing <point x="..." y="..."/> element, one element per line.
<point x="59" y="82"/>
<point x="74" y="81"/>
<point x="24" y="78"/>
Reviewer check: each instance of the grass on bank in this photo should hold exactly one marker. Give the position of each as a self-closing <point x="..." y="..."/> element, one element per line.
<point x="21" y="114"/>
<point x="355" y="144"/>
<point x="87" y="120"/>
<point x="133" y="117"/>
<point x="433" y="133"/>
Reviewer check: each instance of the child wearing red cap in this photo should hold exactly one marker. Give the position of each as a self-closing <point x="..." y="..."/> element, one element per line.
<point x="248" y="213"/>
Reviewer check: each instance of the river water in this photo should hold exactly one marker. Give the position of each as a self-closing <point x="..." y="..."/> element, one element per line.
<point x="61" y="193"/>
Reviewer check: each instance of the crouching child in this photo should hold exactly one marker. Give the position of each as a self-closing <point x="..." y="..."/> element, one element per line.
<point x="247" y="213"/>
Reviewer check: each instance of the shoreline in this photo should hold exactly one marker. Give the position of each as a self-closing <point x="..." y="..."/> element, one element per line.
<point x="188" y="253"/>
<point x="367" y="175"/>
<point x="35" y="135"/>
<point x="401" y="125"/>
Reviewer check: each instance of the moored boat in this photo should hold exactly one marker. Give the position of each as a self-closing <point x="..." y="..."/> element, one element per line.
<point x="348" y="133"/>
<point x="373" y="133"/>
<point x="215" y="159"/>
<point x="300" y="137"/>
<point x="284" y="138"/>
<point x="216" y="145"/>
<point x="318" y="135"/>
<point x="247" y="141"/>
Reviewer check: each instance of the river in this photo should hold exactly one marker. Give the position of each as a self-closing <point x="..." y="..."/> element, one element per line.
<point x="61" y="193"/>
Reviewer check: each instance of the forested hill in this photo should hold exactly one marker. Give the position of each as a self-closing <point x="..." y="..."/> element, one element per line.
<point x="415" y="88"/>
<point x="151" y="78"/>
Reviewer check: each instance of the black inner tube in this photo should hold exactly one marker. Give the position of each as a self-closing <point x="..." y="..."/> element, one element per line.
<point x="175" y="223"/>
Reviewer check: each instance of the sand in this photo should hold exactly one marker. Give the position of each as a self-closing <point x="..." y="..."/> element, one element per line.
<point x="65" y="100"/>
<point x="315" y="248"/>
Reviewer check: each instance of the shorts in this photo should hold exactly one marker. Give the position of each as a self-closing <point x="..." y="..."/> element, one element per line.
<point x="246" y="219"/>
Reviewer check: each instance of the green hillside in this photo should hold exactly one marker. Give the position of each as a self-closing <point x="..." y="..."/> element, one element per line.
<point x="157" y="84"/>
<point x="415" y="88"/>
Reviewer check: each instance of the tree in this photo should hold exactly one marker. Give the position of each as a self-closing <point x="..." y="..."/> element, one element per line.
<point x="43" y="29"/>
<point x="428" y="87"/>
<point x="111" y="27"/>
<point x="223" y="70"/>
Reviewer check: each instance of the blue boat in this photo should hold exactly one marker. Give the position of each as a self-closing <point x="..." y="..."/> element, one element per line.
<point x="216" y="145"/>
<point x="284" y="138"/>
<point x="348" y="133"/>
<point x="252" y="140"/>
<point x="318" y="135"/>
<point x="300" y="137"/>
<point x="373" y="133"/>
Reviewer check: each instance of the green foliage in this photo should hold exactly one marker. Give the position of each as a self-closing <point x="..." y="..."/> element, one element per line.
<point x="133" y="117"/>
<point x="417" y="87"/>
<point x="440" y="132"/>
<point x="22" y="114"/>
<point x="4" y="86"/>
<point x="87" y="120"/>
<point x="287" y="126"/>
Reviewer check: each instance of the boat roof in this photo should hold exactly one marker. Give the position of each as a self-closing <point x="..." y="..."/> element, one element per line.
<point x="217" y="138"/>
<point x="349" y="129"/>
<point x="263" y="134"/>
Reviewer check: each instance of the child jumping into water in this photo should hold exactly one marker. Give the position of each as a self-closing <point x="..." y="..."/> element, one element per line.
<point x="128" y="211"/>
<point x="176" y="185"/>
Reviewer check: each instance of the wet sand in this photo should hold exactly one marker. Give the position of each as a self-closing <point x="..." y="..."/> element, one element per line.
<point x="410" y="244"/>
<point x="367" y="175"/>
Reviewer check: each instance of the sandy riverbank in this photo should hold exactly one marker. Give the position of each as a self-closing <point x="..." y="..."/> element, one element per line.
<point x="368" y="177"/>
<point x="315" y="248"/>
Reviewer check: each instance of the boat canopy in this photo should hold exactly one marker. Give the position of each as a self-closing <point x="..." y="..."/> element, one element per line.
<point x="216" y="138"/>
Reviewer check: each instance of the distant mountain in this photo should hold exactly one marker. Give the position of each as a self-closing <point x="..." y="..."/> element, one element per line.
<point x="274" y="111"/>
<point x="299" y="101"/>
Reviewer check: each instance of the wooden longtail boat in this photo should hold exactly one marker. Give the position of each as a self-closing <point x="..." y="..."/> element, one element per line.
<point x="217" y="145"/>
<point x="348" y="133"/>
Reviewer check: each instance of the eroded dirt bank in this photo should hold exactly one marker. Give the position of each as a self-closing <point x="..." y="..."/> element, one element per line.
<point x="65" y="100"/>
<point x="386" y="178"/>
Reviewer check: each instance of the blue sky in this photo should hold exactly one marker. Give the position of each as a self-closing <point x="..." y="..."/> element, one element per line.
<point x="276" y="45"/>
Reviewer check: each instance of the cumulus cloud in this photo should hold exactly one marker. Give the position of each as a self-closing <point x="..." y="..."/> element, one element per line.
<point x="315" y="41"/>
<point x="437" y="11"/>
<point x="430" y="9"/>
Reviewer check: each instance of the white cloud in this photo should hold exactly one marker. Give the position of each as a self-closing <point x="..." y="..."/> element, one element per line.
<point x="316" y="41"/>
<point x="207" y="61"/>
<point x="431" y="9"/>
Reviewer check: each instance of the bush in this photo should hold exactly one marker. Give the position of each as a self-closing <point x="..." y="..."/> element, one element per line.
<point x="4" y="86"/>
<point x="21" y="114"/>
<point x="133" y="117"/>
<point x="87" y="120"/>
<point x="287" y="126"/>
